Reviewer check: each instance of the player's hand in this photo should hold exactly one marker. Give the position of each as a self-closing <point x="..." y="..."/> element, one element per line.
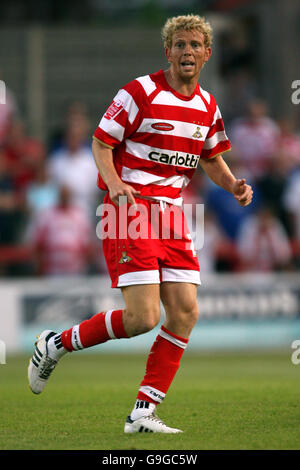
<point x="242" y="192"/>
<point x="123" y="189"/>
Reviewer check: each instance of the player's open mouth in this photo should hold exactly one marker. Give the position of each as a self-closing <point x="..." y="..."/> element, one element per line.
<point x="187" y="64"/>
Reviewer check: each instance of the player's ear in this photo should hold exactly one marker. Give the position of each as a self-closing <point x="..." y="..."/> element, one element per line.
<point x="168" y="53"/>
<point x="207" y="53"/>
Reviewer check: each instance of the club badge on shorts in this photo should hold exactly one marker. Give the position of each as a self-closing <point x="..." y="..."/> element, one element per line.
<point x="124" y="258"/>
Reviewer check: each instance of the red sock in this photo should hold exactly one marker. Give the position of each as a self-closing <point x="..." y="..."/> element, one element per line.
<point x="162" y="365"/>
<point x="95" y="330"/>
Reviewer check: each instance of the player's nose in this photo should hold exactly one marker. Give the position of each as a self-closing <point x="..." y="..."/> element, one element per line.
<point x="188" y="49"/>
<point x="187" y="54"/>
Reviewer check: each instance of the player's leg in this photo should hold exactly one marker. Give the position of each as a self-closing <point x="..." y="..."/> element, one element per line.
<point x="141" y="314"/>
<point x="178" y="293"/>
<point x="133" y="266"/>
<point x="179" y="296"/>
<point x="180" y="302"/>
<point x="181" y="307"/>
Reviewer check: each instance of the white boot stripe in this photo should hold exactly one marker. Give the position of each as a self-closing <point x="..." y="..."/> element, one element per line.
<point x="149" y="423"/>
<point x="38" y="351"/>
<point x="33" y="362"/>
<point x="38" y="359"/>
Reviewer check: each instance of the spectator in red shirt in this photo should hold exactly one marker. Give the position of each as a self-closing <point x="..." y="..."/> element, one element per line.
<point x="288" y="144"/>
<point x="61" y="237"/>
<point x="8" y="206"/>
<point x="263" y="243"/>
<point x="254" y="138"/>
<point x="8" y="112"/>
<point x="22" y="154"/>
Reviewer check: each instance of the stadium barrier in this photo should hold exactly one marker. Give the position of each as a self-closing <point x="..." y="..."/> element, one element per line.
<point x="236" y="311"/>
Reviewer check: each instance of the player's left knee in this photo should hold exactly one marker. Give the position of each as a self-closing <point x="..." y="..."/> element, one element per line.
<point x="187" y="316"/>
<point x="192" y="314"/>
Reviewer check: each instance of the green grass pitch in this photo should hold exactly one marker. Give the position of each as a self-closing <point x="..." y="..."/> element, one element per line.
<point x="221" y="401"/>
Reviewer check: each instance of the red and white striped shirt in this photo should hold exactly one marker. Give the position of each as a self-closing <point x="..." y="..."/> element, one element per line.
<point x="63" y="236"/>
<point x="159" y="135"/>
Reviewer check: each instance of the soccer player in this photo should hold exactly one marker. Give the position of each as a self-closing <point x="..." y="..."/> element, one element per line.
<point x="147" y="147"/>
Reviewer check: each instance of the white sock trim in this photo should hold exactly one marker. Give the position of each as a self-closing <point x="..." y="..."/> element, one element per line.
<point x="76" y="343"/>
<point x="173" y="340"/>
<point x="153" y="393"/>
<point x="108" y="324"/>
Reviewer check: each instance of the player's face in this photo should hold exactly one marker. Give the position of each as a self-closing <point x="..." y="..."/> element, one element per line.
<point x="187" y="54"/>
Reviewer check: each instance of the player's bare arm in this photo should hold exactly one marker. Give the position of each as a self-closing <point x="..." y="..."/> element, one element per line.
<point x="104" y="160"/>
<point x="219" y="172"/>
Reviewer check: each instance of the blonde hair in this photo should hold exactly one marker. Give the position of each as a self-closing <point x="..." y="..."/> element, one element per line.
<point x="186" y="23"/>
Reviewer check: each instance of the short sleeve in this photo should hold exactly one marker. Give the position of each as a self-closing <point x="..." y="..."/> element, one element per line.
<point x="216" y="141"/>
<point x="121" y="117"/>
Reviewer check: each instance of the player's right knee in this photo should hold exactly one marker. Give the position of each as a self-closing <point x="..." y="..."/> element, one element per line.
<point x="150" y="321"/>
<point x="142" y="320"/>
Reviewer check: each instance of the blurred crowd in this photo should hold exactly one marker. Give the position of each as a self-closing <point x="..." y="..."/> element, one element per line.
<point x="49" y="196"/>
<point x="264" y="236"/>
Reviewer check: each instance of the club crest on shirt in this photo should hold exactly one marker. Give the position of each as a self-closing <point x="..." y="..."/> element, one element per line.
<point x="124" y="258"/>
<point x="114" y="109"/>
<point x="197" y="134"/>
